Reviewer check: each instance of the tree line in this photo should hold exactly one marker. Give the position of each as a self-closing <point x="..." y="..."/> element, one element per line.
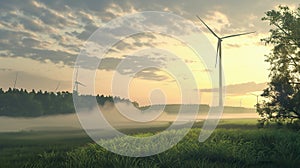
<point x="23" y="103"/>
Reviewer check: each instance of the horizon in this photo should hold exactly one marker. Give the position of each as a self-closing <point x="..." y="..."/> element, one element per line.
<point x="52" y="92"/>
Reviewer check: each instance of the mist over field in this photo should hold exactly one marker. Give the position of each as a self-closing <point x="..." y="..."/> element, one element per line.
<point x="121" y="115"/>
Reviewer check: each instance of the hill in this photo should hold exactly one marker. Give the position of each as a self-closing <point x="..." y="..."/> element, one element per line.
<point x="202" y="108"/>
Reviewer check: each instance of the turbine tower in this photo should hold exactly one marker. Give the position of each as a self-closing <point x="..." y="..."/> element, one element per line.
<point x="76" y="83"/>
<point x="257" y="95"/>
<point x="219" y="54"/>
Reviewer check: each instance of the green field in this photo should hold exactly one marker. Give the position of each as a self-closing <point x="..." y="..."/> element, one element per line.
<point x="18" y="149"/>
<point x="235" y="143"/>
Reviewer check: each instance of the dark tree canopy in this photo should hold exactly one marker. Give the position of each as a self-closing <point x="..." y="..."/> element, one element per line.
<point x="21" y="103"/>
<point x="283" y="92"/>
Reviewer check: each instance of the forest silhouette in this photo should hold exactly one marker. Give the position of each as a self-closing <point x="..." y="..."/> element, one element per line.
<point x="23" y="103"/>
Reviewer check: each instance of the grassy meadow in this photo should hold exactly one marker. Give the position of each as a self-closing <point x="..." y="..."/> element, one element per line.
<point x="235" y="143"/>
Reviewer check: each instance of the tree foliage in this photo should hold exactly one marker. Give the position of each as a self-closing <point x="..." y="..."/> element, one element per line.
<point x="21" y="103"/>
<point x="283" y="92"/>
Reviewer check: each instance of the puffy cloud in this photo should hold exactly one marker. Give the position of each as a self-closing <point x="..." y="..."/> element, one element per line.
<point x="141" y="66"/>
<point x="30" y="42"/>
<point x="219" y="21"/>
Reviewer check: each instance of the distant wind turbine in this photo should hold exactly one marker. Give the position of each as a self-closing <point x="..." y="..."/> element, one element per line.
<point x="58" y="84"/>
<point x="15" y="82"/>
<point x="76" y="83"/>
<point x="256" y="95"/>
<point x="219" y="53"/>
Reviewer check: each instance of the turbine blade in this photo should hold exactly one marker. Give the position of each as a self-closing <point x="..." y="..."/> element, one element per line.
<point x="80" y="84"/>
<point x="234" y="35"/>
<point x="208" y="27"/>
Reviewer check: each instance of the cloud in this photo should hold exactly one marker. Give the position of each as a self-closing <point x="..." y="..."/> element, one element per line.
<point x="219" y="20"/>
<point x="152" y="74"/>
<point x="36" y="31"/>
<point x="5" y="69"/>
<point x="56" y="30"/>
<point x="233" y="45"/>
<point x="30" y="42"/>
<point x="87" y="31"/>
<point x="144" y="67"/>
<point x="240" y="89"/>
<point x="109" y="64"/>
<point x="42" y="55"/>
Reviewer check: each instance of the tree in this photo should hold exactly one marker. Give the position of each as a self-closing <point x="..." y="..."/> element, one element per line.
<point x="283" y="92"/>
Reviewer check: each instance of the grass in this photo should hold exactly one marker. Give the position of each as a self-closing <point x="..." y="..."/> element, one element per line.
<point x="20" y="148"/>
<point x="235" y="143"/>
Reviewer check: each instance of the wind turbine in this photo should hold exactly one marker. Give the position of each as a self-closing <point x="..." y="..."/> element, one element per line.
<point x="257" y="95"/>
<point x="76" y="83"/>
<point x="58" y="84"/>
<point x="219" y="53"/>
<point x="15" y="82"/>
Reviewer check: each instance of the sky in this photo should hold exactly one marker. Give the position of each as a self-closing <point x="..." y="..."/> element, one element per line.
<point x="41" y="41"/>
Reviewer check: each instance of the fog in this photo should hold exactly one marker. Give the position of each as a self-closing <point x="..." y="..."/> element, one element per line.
<point x="121" y="115"/>
<point x="8" y="124"/>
